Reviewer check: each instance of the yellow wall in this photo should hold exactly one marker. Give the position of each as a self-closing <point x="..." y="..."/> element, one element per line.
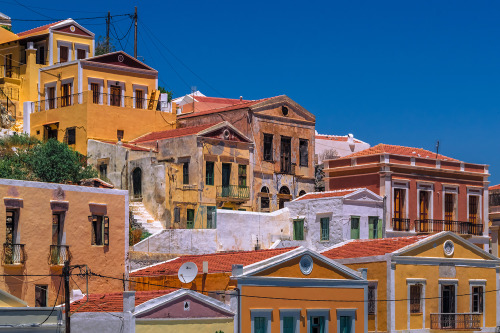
<point x="291" y="268"/>
<point x="57" y="36"/>
<point x="185" y="326"/>
<point x="35" y="231"/>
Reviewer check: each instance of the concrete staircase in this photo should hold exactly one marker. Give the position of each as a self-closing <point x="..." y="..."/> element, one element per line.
<point x="142" y="217"/>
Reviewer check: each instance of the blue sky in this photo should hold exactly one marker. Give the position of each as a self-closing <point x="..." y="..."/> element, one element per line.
<point x="395" y="72"/>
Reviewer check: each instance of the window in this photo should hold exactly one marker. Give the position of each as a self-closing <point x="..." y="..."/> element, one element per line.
<point x="115" y="98"/>
<point x="41" y="293"/>
<point x="317" y="324"/>
<point x="190" y="218"/>
<point x="289" y="324"/>
<point x="81" y="54"/>
<point x="185" y="173"/>
<point x="264" y="199"/>
<point x="10" y="223"/>
<point x="51" y="97"/>
<point x="260" y="325"/>
<point x="57" y="228"/>
<point x="65" y="94"/>
<point x="103" y="171"/>
<point x="71" y="135"/>
<point x="415" y="298"/>
<point x="100" y="229"/>
<point x="345" y="324"/>
<point x="424" y="205"/>
<point x="286" y="155"/>
<point x="304" y="152"/>
<point x="374" y="227"/>
<point x="325" y="228"/>
<point x="50" y="131"/>
<point x="63" y="53"/>
<point x="8" y="65"/>
<point x="477" y="299"/>
<point x="119" y="135"/>
<point x="96" y="92"/>
<point x="473" y="208"/>
<point x="139" y="99"/>
<point x="209" y="173"/>
<point x="372" y="299"/>
<point x="268" y="147"/>
<point x="399" y="203"/>
<point x="242" y="175"/>
<point x="211" y="217"/>
<point x="449" y="207"/>
<point x="298" y="229"/>
<point x="177" y="214"/>
<point x="354" y="227"/>
<point x="40" y="55"/>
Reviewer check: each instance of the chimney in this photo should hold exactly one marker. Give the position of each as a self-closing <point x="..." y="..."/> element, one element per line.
<point x="237" y="270"/>
<point x="128" y="301"/>
<point x="241" y="98"/>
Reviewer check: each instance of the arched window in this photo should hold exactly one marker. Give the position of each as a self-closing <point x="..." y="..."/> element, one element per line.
<point x="264" y="189"/>
<point x="264" y="199"/>
<point x="284" y="190"/>
<point x="301" y="193"/>
<point x="281" y="202"/>
<point x="137" y="182"/>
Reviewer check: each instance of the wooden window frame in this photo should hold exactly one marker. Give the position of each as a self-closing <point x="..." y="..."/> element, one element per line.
<point x="267" y="150"/>
<point x="296" y="234"/>
<point x="104" y="221"/>
<point x="357" y="229"/>
<point x="209" y="173"/>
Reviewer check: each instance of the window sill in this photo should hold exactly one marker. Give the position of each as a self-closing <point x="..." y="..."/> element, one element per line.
<point x="415" y="313"/>
<point x="13" y="265"/>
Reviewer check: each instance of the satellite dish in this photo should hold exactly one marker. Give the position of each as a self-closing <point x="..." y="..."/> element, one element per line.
<point x="187" y="272"/>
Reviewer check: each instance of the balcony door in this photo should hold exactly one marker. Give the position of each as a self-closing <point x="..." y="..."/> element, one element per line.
<point x="448" y="306"/>
<point x="286" y="155"/>
<point x="399" y="209"/>
<point x="56" y="229"/>
<point x="66" y="94"/>
<point x="449" y="211"/>
<point x="226" y="178"/>
<point x="115" y="96"/>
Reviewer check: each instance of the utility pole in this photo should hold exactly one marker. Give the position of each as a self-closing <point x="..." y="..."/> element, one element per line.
<point x="66" y="273"/>
<point x="135" y="33"/>
<point x="108" y="21"/>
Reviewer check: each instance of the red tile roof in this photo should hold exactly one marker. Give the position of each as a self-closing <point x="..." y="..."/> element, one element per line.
<point x="223" y="109"/>
<point x="370" y="247"/>
<point x="335" y="138"/>
<point x="130" y="146"/>
<point x="399" y="150"/>
<point x="113" y="302"/>
<point x="35" y="30"/>
<point x="174" y="133"/>
<point x="328" y="194"/>
<point x="494" y="187"/>
<point x="217" y="262"/>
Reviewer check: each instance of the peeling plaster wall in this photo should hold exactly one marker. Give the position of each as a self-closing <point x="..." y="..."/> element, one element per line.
<point x="236" y="230"/>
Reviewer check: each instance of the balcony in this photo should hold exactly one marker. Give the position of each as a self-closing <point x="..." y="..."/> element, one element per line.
<point x="435" y="226"/>
<point x="456" y="321"/>
<point x="13" y="254"/>
<point x="11" y="72"/>
<point x="59" y="254"/>
<point x="90" y="97"/>
<point x="233" y="193"/>
<point x="401" y="224"/>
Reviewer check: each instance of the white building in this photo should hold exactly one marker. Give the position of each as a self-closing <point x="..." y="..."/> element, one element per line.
<point x="330" y="146"/>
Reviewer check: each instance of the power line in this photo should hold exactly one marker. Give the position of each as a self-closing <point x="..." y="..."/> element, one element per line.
<point x="55" y="303"/>
<point x="51" y="9"/>
<point x="32" y="10"/>
<point x="62" y="19"/>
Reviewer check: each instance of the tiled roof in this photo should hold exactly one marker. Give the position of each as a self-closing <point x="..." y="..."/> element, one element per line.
<point x="204" y="103"/>
<point x="370" y="247"/>
<point x="494" y="187"/>
<point x="399" y="150"/>
<point x="37" y="30"/>
<point x="341" y="138"/>
<point x="130" y="146"/>
<point x="223" y="109"/>
<point x="174" y="133"/>
<point x="328" y="194"/>
<point x="113" y="302"/>
<point x="217" y="262"/>
<point x="218" y="100"/>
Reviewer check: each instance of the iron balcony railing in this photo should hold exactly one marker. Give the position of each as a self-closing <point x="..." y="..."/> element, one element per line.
<point x="59" y="254"/>
<point x="13" y="254"/>
<point x="459" y="227"/>
<point x="10" y="71"/>
<point x="9" y="93"/>
<point x="56" y="102"/>
<point x="455" y="321"/>
<point x="234" y="192"/>
<point x="401" y="224"/>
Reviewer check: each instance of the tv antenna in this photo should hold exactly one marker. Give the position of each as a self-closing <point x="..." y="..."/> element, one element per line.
<point x="187" y="272"/>
<point x="437" y="149"/>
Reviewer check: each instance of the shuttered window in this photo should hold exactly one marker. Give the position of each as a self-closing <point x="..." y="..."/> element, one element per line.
<point x="63" y="53"/>
<point x="100" y="229"/>
<point x="185" y="173"/>
<point x="473" y="208"/>
<point x="259" y="325"/>
<point x="354" y="227"/>
<point x="325" y="228"/>
<point x="209" y="173"/>
<point x="190" y="218"/>
<point x="242" y="175"/>
<point x="298" y="229"/>
<point x="268" y="147"/>
<point x="304" y="152"/>
<point x="374" y="227"/>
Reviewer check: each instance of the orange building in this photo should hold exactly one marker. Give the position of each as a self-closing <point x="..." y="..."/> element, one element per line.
<point x="48" y="224"/>
<point x="278" y="290"/>
<point x="425" y="192"/>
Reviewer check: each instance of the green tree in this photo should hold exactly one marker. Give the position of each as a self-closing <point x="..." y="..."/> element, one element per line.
<point x="104" y="46"/>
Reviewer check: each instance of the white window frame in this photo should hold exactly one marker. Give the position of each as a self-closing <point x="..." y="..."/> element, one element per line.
<point x="72" y="81"/>
<point x="295" y="313"/>
<point x="37" y="47"/>
<point x="143" y="88"/>
<point x="345" y="312"/>
<point x="318" y="313"/>
<point x="478" y="192"/>
<point x="69" y="45"/>
<point x="50" y="85"/>
<point x="267" y="313"/>
<point x="100" y="82"/>
<point x="478" y="283"/>
<point x="427" y="187"/>
<point x="412" y="282"/>
<point x="405" y="185"/>
<point x="84" y="47"/>
<point x="453" y="189"/>
<point x="447" y="282"/>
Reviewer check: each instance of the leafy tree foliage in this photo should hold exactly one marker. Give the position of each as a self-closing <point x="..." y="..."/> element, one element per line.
<point x="103" y="46"/>
<point x="26" y="158"/>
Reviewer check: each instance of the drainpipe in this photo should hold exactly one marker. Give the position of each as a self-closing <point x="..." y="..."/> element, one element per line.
<point x="239" y="308"/>
<point x="384" y="218"/>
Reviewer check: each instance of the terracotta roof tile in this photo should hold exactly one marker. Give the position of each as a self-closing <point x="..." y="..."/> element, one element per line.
<point x="341" y="138"/>
<point x="399" y="150"/>
<point x="370" y="247"/>
<point x="223" y="109"/>
<point x="36" y="30"/>
<point x="217" y="262"/>
<point x="173" y="133"/>
<point x="113" y="302"/>
<point x="130" y="146"/>
<point x="327" y="194"/>
<point x="494" y="187"/>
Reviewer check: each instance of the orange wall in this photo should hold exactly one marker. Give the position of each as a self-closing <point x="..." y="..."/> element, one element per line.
<point x="35" y="231"/>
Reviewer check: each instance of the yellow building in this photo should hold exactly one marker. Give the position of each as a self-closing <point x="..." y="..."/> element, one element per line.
<point x="24" y="53"/>
<point x="439" y="282"/>
<point x="206" y="167"/>
<point x="103" y="98"/>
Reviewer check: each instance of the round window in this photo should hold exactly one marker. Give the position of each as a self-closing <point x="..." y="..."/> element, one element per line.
<point x="284" y="110"/>
<point x="121" y="58"/>
<point x="72" y="28"/>
<point x="448" y="247"/>
<point x="306" y="264"/>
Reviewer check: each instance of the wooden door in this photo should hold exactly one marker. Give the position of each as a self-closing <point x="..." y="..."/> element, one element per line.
<point x="115" y="97"/>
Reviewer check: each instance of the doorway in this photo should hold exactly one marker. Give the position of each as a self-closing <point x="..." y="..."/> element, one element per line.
<point x="115" y="96"/>
<point x="226" y="178"/>
<point x="137" y="183"/>
<point x="448" y="306"/>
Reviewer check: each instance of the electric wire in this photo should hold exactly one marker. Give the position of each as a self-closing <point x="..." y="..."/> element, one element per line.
<point x="51" y="9"/>
<point x="32" y="10"/>
<point x="55" y="303"/>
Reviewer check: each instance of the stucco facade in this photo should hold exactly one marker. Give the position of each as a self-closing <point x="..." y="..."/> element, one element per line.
<point x="48" y="224"/>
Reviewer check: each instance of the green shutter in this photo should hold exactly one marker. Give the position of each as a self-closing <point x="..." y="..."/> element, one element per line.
<point x="354" y="227"/>
<point x="260" y="325"/>
<point x="371" y="228"/>
<point x="298" y="229"/>
<point x="345" y="324"/>
<point x="190" y="218"/>
<point x="288" y="323"/>
<point x="209" y="173"/>
<point x="325" y="228"/>
<point x="379" y="228"/>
